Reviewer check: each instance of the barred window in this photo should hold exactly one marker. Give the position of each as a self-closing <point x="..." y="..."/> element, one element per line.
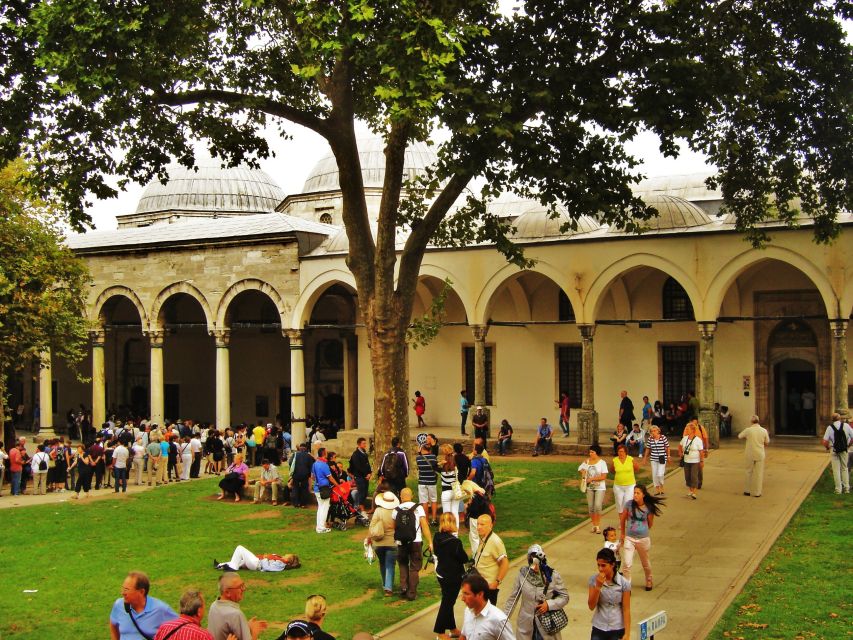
<point x="678" y="363"/>
<point x="570" y="373"/>
<point x="470" y="379"/>
<point x="676" y="302"/>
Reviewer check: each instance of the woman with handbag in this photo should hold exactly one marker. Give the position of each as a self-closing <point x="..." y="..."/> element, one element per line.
<point x="690" y="451"/>
<point x="593" y="474"/>
<point x="450" y="569"/>
<point x="381" y="536"/>
<point x="450" y="491"/>
<point x="236" y="478"/>
<point x="657" y="452"/>
<point x="541" y="595"/>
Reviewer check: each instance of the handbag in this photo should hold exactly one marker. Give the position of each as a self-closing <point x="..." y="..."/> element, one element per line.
<point x="326" y="492"/>
<point x="456" y="490"/>
<point x="471" y="567"/>
<point x="662" y="459"/>
<point x="583" y="484"/>
<point x="686" y="451"/>
<point x="553" y="620"/>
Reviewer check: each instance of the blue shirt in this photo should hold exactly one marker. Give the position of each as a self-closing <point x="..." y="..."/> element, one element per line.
<point x="321" y="472"/>
<point x="477" y="465"/>
<point x="156" y="612"/>
<point x="164" y="448"/>
<point x="544" y="431"/>
<point x="647" y="411"/>
<point x="463" y="404"/>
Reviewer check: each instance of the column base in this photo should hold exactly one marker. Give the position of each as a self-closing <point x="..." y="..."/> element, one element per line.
<point x="44" y="434"/>
<point x="710" y="419"/>
<point x="587" y="426"/>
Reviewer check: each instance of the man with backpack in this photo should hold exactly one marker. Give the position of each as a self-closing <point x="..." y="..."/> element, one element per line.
<point x="481" y="471"/>
<point x="837" y="440"/>
<point x="410" y="530"/>
<point x="395" y="467"/>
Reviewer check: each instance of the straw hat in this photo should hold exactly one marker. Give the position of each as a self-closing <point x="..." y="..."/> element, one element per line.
<point x="388" y="500"/>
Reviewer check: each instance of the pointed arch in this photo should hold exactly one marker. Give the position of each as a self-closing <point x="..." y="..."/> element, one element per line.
<point x="309" y="295"/>
<point x="118" y="290"/>
<point x="601" y="283"/>
<point x="173" y="289"/>
<point x="252" y="284"/>
<point x="499" y="278"/>
<point x="724" y="278"/>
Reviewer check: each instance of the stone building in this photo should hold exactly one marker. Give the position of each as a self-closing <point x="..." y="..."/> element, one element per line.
<point x="225" y="300"/>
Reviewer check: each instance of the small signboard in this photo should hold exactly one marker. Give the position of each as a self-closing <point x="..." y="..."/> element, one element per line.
<point x="651" y="625"/>
<point x="421" y="439"/>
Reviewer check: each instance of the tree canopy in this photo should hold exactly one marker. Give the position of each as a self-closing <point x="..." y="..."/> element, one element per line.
<point x="540" y="101"/>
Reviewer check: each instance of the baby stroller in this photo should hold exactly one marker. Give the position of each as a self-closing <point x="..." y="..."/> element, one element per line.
<point x="341" y="509"/>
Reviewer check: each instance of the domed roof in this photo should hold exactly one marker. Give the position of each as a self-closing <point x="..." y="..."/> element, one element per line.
<point x="537" y="222"/>
<point x="339" y="242"/>
<point x="510" y="205"/>
<point x="674" y="213"/>
<point x="212" y="189"/>
<point x="371" y="152"/>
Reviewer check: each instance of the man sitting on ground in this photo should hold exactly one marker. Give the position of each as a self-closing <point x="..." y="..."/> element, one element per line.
<point x="269" y="480"/>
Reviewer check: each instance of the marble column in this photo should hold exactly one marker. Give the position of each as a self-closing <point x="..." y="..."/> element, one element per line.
<point x="156" y="339"/>
<point x="297" y="385"/>
<point x="709" y="417"/>
<point x="99" y="394"/>
<point x="480" y="332"/>
<point x="45" y="398"/>
<point x="222" y="338"/>
<point x="587" y="416"/>
<point x="839" y="365"/>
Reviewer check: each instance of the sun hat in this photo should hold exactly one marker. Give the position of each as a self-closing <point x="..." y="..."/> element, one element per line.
<point x="388" y="500"/>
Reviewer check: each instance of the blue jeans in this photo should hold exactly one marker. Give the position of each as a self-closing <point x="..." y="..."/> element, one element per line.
<point x="121" y="479"/>
<point x="503" y="445"/>
<point x="387" y="557"/>
<point x="16" y="483"/>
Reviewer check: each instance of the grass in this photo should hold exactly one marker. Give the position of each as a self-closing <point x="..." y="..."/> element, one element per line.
<point x="76" y="555"/>
<point x="802" y="589"/>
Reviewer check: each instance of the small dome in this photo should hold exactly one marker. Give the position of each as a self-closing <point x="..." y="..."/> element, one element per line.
<point x="212" y="189"/>
<point x="537" y="222"/>
<point x="371" y="151"/>
<point x="690" y="186"/>
<point x="510" y="205"/>
<point x="339" y="242"/>
<point x="674" y="213"/>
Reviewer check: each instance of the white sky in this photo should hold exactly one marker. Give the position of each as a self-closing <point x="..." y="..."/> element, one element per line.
<point x="295" y="158"/>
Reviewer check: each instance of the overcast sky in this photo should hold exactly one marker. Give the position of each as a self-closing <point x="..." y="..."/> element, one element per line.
<point x="295" y="158"/>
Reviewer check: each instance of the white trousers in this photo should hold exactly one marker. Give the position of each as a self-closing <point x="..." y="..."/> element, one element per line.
<point x="186" y="461"/>
<point x="622" y="493"/>
<point x="474" y="538"/>
<point x="449" y="505"/>
<point x="658" y="472"/>
<point x="642" y="545"/>
<point x="754" y="477"/>
<point x="243" y="558"/>
<point x="322" y="511"/>
<point x="840" y="472"/>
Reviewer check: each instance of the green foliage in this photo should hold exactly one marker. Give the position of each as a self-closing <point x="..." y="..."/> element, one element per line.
<point x="789" y="596"/>
<point x="167" y="533"/>
<point x="42" y="284"/>
<point x="424" y="330"/>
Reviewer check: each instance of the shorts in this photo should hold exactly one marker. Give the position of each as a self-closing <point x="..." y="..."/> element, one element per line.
<point x="427" y="493"/>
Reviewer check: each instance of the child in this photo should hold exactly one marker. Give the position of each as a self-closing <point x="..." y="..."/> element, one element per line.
<point x="611" y="541"/>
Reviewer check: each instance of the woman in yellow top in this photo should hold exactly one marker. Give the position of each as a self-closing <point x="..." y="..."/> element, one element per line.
<point x="623" y="468"/>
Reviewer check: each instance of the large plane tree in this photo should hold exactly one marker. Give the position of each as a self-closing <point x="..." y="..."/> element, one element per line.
<point x="539" y="98"/>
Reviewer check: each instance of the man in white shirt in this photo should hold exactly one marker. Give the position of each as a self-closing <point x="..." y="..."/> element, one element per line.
<point x="138" y="451"/>
<point x="195" y="448"/>
<point x="483" y="620"/>
<point x="757" y="439"/>
<point x="837" y="439"/>
<point x="120" y="456"/>
<point x="409" y="554"/>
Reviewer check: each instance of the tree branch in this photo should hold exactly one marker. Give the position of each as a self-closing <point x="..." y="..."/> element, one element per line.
<point x="235" y="99"/>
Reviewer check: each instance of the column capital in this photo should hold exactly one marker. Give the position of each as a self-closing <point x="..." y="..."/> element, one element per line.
<point x="155" y="337"/>
<point x="98" y="337"/>
<point x="295" y="337"/>
<point x="222" y="337"/>
<point x="707" y="329"/>
<point x="839" y="327"/>
<point x="587" y="331"/>
<point x="480" y="331"/>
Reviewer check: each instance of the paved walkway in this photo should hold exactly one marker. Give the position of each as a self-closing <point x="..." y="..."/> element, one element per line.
<point x="703" y="551"/>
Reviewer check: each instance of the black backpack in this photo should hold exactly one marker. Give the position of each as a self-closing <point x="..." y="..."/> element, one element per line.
<point x="488" y="478"/>
<point x="839" y="440"/>
<point x="406" y="527"/>
<point x="392" y="466"/>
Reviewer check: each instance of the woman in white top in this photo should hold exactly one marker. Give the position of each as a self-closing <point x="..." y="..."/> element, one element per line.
<point x="185" y="453"/>
<point x="690" y="449"/>
<point x="39" y="466"/>
<point x="138" y="452"/>
<point x="448" y="475"/>
<point x="594" y="471"/>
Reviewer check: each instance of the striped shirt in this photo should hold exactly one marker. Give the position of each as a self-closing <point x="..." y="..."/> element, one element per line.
<point x="447" y="478"/>
<point x="658" y="448"/>
<point x="426" y="469"/>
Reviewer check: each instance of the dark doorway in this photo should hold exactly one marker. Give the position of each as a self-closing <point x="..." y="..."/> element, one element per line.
<point x="284" y="406"/>
<point x="172" y="401"/>
<point x="796" y="398"/>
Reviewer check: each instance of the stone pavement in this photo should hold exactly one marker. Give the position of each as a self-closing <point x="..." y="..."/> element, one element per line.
<point x="703" y="551"/>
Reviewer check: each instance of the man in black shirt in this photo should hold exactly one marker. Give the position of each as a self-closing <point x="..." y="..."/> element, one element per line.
<point x="360" y="469"/>
<point x="626" y="411"/>
<point x="302" y="463"/>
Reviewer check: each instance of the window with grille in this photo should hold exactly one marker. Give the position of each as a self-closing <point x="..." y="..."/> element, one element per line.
<point x="676" y="302"/>
<point x="326" y="218"/>
<point x="470" y="380"/>
<point x="570" y="373"/>
<point x="678" y="370"/>
<point x="565" y="310"/>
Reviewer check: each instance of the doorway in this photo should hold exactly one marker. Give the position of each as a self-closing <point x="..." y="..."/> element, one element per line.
<point x="795" y="397"/>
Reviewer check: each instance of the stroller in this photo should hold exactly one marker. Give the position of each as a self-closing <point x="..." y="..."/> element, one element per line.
<point x="341" y="509"/>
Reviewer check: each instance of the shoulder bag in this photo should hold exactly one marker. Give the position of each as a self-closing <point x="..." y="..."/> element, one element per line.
<point x="553" y="620"/>
<point x="686" y="451"/>
<point x="471" y="567"/>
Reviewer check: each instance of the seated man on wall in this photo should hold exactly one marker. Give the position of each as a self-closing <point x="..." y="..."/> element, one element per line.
<point x="269" y="480"/>
<point x="544" y="435"/>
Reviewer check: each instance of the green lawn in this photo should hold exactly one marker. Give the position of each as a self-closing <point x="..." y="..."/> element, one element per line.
<point x="76" y="555"/>
<point x="802" y="589"/>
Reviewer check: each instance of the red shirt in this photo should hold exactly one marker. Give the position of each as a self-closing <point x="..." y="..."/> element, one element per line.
<point x="189" y="630"/>
<point x="15" y="460"/>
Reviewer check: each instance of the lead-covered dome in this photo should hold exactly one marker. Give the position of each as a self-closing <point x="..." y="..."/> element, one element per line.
<point x="211" y="189"/>
<point x="537" y="222"/>
<point x="371" y="151"/>
<point x="674" y="213"/>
